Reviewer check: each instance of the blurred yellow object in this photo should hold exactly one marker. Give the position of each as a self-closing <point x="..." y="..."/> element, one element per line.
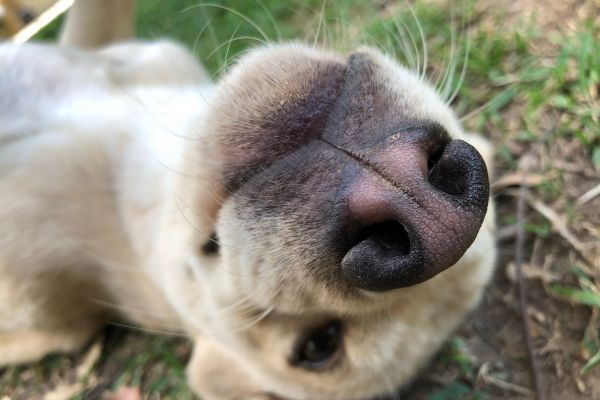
<point x="21" y="19"/>
<point x="10" y="21"/>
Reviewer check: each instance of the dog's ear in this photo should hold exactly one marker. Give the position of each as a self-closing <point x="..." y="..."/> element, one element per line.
<point x="216" y="374"/>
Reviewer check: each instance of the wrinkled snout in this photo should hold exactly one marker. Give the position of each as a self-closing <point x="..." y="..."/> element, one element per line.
<point x="412" y="210"/>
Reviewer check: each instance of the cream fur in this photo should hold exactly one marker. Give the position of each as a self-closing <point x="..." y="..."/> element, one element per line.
<point x="110" y="174"/>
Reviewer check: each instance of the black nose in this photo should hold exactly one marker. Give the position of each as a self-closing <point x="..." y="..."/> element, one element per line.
<point x="416" y="211"/>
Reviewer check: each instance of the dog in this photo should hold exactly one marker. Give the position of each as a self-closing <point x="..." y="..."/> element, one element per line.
<point x="318" y="223"/>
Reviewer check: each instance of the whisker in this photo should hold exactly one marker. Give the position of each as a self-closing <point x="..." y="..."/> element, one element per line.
<point x="271" y="19"/>
<point x="148" y="330"/>
<point x="228" y="43"/>
<point x="423" y="40"/>
<point x="251" y="323"/>
<point x="211" y="32"/>
<point x="200" y="33"/>
<point x="392" y="43"/>
<point x="446" y="84"/>
<point x="231" y="41"/>
<point x="465" y="60"/>
<point x="232" y="60"/>
<point x="321" y="22"/>
<point x="404" y="28"/>
<point x="133" y="310"/>
<point x="403" y="43"/>
<point x="235" y="12"/>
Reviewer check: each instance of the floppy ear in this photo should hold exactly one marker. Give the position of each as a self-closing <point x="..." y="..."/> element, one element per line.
<point x="214" y="374"/>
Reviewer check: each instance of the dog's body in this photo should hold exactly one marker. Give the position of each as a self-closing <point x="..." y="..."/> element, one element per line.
<point x="117" y="166"/>
<point x="109" y="154"/>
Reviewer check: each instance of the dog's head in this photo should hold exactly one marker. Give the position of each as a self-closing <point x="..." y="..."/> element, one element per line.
<point x="345" y="191"/>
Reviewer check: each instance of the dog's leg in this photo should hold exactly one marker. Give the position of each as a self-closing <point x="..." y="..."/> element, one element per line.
<point x="95" y="23"/>
<point x="20" y="347"/>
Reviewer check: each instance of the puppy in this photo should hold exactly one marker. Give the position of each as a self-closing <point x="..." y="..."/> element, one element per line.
<point x="317" y="222"/>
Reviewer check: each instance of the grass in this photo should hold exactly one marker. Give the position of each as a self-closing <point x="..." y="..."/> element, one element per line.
<point x="218" y="32"/>
<point x="532" y="91"/>
<point x="588" y="294"/>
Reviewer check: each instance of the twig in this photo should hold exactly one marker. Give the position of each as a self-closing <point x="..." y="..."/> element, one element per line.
<point x="517" y="179"/>
<point x="558" y="222"/>
<point x="535" y="371"/>
<point x="560" y="225"/>
<point x="492" y="380"/>
<point x="589" y="195"/>
<point x="489" y="379"/>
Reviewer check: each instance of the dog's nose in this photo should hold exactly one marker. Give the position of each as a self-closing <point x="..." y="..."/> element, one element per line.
<point x="412" y="200"/>
<point x="412" y="209"/>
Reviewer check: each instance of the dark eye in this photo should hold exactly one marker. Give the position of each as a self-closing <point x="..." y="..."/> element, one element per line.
<point x="319" y="348"/>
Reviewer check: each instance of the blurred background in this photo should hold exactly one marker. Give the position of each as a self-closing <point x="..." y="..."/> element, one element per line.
<point x="525" y="74"/>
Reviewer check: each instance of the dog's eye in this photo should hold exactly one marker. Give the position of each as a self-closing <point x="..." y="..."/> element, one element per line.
<point x="318" y="349"/>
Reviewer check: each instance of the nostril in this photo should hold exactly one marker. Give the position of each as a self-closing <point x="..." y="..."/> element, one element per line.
<point x="434" y="158"/>
<point x="448" y="171"/>
<point x="389" y="236"/>
<point x="381" y="257"/>
<point x="451" y="182"/>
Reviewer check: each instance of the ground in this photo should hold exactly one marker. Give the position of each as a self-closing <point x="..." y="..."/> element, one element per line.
<point x="531" y="83"/>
